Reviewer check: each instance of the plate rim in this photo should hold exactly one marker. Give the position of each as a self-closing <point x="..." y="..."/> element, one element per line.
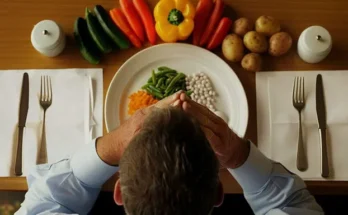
<point x="174" y="44"/>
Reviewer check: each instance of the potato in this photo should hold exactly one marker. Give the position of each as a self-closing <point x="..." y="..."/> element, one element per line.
<point x="267" y="25"/>
<point x="232" y="48"/>
<point x="255" y="42"/>
<point x="279" y="44"/>
<point x="242" y="26"/>
<point x="252" y="62"/>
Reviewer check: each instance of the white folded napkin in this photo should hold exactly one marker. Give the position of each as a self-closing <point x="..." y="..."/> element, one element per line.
<point x="67" y="119"/>
<point x="277" y="121"/>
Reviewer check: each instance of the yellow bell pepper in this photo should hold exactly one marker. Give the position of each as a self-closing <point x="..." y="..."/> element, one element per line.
<point x="174" y="19"/>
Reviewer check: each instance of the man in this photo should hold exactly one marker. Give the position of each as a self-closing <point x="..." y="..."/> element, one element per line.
<point x="168" y="161"/>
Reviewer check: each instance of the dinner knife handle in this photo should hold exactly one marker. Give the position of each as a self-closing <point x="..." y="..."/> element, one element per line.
<point x="324" y="157"/>
<point x="18" y="164"/>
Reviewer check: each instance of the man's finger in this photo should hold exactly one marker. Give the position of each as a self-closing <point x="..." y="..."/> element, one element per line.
<point x="164" y="103"/>
<point x="202" y="119"/>
<point x="213" y="139"/>
<point x="200" y="108"/>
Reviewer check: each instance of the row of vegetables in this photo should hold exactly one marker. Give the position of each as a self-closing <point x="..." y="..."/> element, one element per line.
<point x="102" y="31"/>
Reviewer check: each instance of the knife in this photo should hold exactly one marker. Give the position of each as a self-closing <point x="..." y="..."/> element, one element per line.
<point x="23" y="112"/>
<point x="321" y="113"/>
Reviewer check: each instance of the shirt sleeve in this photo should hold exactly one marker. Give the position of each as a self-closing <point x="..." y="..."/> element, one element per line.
<point x="270" y="188"/>
<point x="69" y="186"/>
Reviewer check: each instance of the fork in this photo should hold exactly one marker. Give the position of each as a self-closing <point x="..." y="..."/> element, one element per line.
<point x="298" y="100"/>
<point x="45" y="102"/>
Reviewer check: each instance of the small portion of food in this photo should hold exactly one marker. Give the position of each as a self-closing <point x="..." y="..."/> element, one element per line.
<point x="252" y="62"/>
<point x="202" y="90"/>
<point x="139" y="100"/>
<point x="279" y="44"/>
<point x="267" y="25"/>
<point x="221" y="31"/>
<point x="165" y="82"/>
<point x="255" y="42"/>
<point x="242" y="26"/>
<point x="173" y="24"/>
<point x="233" y="48"/>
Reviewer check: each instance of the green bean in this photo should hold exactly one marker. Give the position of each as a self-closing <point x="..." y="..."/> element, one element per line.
<point x="163" y="87"/>
<point x="154" y="93"/>
<point x="177" y="78"/>
<point x="164" y="68"/>
<point x="154" y="77"/>
<point x="189" y="92"/>
<point x="168" y="81"/>
<point x="153" y="88"/>
<point x="160" y="82"/>
<point x="183" y="86"/>
<point x="145" y="86"/>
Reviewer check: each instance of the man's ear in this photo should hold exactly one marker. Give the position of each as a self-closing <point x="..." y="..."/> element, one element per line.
<point x="117" y="193"/>
<point x="219" y="199"/>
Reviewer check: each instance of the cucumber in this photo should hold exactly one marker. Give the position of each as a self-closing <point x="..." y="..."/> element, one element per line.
<point x="85" y="42"/>
<point x="110" y="28"/>
<point x="98" y="35"/>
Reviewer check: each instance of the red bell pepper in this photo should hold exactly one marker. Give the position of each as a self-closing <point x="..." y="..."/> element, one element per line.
<point x="133" y="18"/>
<point x="147" y="19"/>
<point x="121" y="21"/>
<point x="213" y="21"/>
<point x="203" y="12"/>
<point x="220" y="33"/>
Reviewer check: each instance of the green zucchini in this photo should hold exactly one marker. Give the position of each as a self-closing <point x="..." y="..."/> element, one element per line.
<point x="110" y="28"/>
<point x="85" y="42"/>
<point x="100" y="38"/>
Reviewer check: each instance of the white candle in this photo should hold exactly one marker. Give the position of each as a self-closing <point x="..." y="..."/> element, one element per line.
<point x="48" y="38"/>
<point x="314" y="44"/>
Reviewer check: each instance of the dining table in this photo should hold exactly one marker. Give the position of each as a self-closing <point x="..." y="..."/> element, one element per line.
<point x="18" y="17"/>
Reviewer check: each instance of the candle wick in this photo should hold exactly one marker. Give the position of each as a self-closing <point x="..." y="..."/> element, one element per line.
<point x="45" y="32"/>
<point x="318" y="37"/>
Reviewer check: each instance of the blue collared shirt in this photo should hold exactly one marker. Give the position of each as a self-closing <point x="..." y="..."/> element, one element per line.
<point x="72" y="185"/>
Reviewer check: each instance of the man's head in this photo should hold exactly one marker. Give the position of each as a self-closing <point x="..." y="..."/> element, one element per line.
<point x="169" y="168"/>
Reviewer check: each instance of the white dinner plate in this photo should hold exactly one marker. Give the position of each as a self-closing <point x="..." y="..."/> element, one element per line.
<point x="185" y="58"/>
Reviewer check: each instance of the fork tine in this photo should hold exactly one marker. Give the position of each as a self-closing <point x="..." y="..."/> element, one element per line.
<point x="41" y="92"/>
<point x="303" y="89"/>
<point x="294" y="91"/>
<point x="46" y="89"/>
<point x="50" y="84"/>
<point x="297" y="90"/>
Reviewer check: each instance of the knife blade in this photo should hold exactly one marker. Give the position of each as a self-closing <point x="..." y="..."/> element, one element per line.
<point x="23" y="112"/>
<point x="321" y="114"/>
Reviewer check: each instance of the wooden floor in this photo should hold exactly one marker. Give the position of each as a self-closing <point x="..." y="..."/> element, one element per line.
<point x="233" y="204"/>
